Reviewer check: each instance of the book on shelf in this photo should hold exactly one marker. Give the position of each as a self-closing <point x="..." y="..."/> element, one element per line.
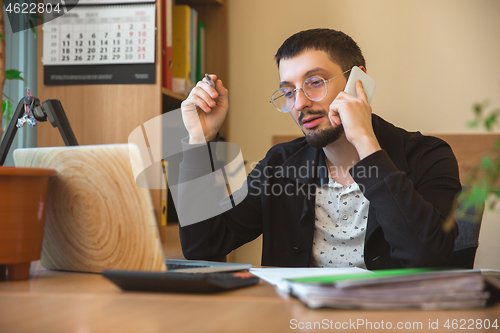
<point x="164" y="194"/>
<point x="166" y="43"/>
<point x="181" y="49"/>
<point x="188" y="49"/>
<point x="200" y="52"/>
<point x="193" y="45"/>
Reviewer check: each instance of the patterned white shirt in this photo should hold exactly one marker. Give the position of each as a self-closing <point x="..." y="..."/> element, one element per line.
<point x="340" y="226"/>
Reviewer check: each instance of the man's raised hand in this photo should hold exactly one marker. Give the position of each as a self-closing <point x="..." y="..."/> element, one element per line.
<point x="204" y="110"/>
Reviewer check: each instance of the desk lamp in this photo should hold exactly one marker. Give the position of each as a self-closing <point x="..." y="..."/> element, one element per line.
<point x="29" y="110"/>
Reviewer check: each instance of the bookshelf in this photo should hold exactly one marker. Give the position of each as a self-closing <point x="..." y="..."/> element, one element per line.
<point x="214" y="14"/>
<point x="107" y="114"/>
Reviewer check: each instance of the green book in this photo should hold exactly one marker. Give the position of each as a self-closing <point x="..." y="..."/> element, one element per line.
<point x="200" y="52"/>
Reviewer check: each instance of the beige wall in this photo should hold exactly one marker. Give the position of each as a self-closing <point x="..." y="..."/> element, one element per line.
<point x="431" y="60"/>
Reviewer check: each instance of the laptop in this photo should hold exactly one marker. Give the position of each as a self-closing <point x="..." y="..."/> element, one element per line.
<point x="97" y="218"/>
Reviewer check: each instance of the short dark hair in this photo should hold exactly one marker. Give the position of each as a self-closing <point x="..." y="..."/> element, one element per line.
<point x="341" y="48"/>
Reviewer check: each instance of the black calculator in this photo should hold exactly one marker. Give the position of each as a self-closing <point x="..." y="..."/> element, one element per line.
<point x="178" y="282"/>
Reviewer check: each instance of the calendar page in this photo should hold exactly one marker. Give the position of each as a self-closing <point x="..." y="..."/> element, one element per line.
<point x="100" y="44"/>
<point x="100" y="2"/>
<point x="101" y="35"/>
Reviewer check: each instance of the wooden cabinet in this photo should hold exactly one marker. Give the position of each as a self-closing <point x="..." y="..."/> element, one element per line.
<point x="106" y="114"/>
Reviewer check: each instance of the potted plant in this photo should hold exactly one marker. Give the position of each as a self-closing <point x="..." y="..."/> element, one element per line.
<point x="21" y="224"/>
<point x="484" y="178"/>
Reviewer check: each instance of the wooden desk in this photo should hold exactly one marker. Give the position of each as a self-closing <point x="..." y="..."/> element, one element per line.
<point x="77" y="302"/>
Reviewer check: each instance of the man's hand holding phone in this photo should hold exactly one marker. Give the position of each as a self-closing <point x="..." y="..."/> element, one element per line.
<point x="353" y="111"/>
<point x="204" y="110"/>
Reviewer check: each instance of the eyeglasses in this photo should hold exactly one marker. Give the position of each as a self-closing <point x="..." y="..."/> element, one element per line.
<point x="313" y="88"/>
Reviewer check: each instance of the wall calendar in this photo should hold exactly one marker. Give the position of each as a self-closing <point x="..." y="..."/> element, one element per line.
<point x="103" y="44"/>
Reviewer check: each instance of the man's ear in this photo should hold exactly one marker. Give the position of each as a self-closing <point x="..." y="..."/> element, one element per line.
<point x="363" y="69"/>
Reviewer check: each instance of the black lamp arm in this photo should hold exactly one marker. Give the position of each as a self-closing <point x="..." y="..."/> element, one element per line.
<point x="51" y="109"/>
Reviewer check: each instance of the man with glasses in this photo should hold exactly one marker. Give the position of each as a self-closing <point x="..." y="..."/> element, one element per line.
<point x="373" y="195"/>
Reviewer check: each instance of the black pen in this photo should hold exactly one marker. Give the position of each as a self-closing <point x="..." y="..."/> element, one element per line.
<point x="210" y="81"/>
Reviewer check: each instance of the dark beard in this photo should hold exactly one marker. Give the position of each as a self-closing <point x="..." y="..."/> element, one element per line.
<point x="322" y="138"/>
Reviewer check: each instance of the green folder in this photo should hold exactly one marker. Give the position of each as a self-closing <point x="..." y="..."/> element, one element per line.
<point x="384" y="273"/>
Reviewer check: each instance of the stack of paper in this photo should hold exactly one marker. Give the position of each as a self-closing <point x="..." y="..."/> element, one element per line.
<point x="395" y="289"/>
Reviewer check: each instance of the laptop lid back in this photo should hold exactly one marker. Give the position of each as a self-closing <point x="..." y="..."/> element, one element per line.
<point x="97" y="217"/>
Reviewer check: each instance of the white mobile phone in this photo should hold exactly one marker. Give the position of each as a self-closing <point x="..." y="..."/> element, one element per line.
<point x="368" y="83"/>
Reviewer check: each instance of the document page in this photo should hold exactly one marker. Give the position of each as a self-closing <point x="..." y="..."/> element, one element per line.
<point x="278" y="276"/>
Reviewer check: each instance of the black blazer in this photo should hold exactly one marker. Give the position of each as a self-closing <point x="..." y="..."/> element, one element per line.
<point x="412" y="184"/>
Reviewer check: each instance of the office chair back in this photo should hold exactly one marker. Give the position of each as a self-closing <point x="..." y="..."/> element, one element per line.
<point x="469" y="225"/>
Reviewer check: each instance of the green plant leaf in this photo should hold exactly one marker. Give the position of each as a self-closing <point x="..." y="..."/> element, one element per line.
<point x="478" y="109"/>
<point x="7" y="112"/>
<point x="486" y="162"/>
<point x="473" y="123"/>
<point x="490" y="121"/>
<point x="1" y="36"/>
<point x="32" y="28"/>
<point x="12" y="74"/>
<point x="477" y="196"/>
<point x="37" y="16"/>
